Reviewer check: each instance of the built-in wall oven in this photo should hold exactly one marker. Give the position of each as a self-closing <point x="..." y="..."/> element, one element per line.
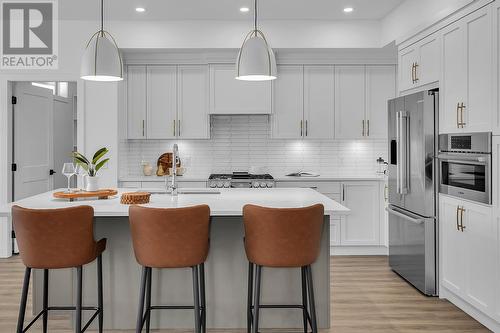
<point x="465" y="166"/>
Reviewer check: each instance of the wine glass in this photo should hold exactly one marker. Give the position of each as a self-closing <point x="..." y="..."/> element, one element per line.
<point x="68" y="170"/>
<point x="80" y="174"/>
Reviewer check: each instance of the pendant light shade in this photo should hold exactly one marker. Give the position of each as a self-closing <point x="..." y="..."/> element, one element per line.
<point x="256" y="60"/>
<point x="101" y="60"/>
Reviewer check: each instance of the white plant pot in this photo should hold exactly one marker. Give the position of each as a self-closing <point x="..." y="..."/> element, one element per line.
<point x="92" y="183"/>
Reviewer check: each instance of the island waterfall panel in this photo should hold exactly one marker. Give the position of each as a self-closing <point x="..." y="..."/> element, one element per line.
<point x="226" y="274"/>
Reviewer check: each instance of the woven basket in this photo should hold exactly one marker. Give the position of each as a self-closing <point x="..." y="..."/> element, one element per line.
<point x="135" y="198"/>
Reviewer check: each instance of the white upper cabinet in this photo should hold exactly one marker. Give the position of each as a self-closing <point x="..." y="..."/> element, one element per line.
<point x="231" y="96"/>
<point x="380" y="87"/>
<point x="168" y="102"/>
<point x="319" y="102"/>
<point x="469" y="259"/>
<point x="350" y="85"/>
<point x="496" y="64"/>
<point x="467" y="74"/>
<point x="162" y="102"/>
<point x="136" y="102"/>
<point x="419" y="63"/>
<point x="288" y="115"/>
<point x="192" y="112"/>
<point x="362" y="225"/>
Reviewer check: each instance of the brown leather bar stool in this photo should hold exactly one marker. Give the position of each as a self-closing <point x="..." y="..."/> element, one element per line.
<point x="171" y="238"/>
<point x="54" y="239"/>
<point x="282" y="237"/>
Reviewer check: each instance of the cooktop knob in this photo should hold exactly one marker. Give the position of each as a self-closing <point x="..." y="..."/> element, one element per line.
<point x="227" y="184"/>
<point x="255" y="184"/>
<point x="270" y="185"/>
<point x="263" y="185"/>
<point x="220" y="184"/>
<point x="213" y="184"/>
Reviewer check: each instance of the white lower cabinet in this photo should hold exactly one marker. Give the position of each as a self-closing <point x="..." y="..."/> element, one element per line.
<point x="362" y="225"/>
<point x="469" y="257"/>
<point x="360" y="232"/>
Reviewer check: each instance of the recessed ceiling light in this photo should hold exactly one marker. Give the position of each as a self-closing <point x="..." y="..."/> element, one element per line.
<point x="140" y="10"/>
<point x="348" y="9"/>
<point x="244" y="9"/>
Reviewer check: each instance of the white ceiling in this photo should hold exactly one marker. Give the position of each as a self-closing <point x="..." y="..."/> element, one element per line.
<point x="226" y="9"/>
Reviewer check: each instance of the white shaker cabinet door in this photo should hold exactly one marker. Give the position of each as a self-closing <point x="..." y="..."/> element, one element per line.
<point x="162" y="102"/>
<point x="477" y="111"/>
<point x="136" y="102"/>
<point x="406" y="60"/>
<point x="192" y="112"/>
<point x="481" y="256"/>
<point x="231" y="96"/>
<point x="380" y="87"/>
<point x="428" y="66"/>
<point x="319" y="102"/>
<point x="350" y="120"/>
<point x="288" y="115"/>
<point x="452" y="245"/>
<point x="453" y="86"/>
<point x="362" y="225"/>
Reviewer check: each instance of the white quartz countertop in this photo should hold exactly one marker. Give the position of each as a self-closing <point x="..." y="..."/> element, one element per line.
<point x="229" y="202"/>
<point x="278" y="178"/>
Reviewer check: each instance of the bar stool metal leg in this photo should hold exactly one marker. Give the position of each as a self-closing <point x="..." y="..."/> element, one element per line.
<point x="203" y="299"/>
<point x="78" y="320"/>
<point x="99" y="293"/>
<point x="140" y="312"/>
<point x="304" y="298"/>
<point x="314" y="325"/>
<point x="45" y="300"/>
<point x="196" y="294"/>
<point x="148" y="298"/>
<point x="249" y="297"/>
<point x="24" y="298"/>
<point x="255" y="328"/>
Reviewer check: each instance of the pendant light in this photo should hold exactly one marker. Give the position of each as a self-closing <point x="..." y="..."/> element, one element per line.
<point x="256" y="60"/>
<point x="102" y="60"/>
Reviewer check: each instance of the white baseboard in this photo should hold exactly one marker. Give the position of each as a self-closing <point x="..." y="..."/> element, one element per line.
<point x="5" y="238"/>
<point x="359" y="251"/>
<point x="484" y="319"/>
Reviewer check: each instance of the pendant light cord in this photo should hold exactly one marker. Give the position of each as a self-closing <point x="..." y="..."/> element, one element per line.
<point x="102" y="17"/>
<point x="255" y="18"/>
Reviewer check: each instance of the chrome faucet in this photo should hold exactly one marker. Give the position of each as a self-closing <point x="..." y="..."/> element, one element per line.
<point x="173" y="184"/>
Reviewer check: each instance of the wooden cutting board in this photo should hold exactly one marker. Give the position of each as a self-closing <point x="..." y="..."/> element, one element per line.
<point x="100" y="194"/>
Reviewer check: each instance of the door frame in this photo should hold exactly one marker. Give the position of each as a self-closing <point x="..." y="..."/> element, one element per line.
<point x="6" y="138"/>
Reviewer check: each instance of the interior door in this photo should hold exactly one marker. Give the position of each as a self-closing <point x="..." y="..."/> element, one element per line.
<point x="33" y="151"/>
<point x="319" y="102"/>
<point x="63" y="138"/>
<point x="350" y="120"/>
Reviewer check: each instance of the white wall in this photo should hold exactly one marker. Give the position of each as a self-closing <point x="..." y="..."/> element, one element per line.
<point x="414" y="15"/>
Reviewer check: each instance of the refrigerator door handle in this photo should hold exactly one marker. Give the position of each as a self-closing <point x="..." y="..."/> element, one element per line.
<point x="402" y="156"/>
<point x="405" y="216"/>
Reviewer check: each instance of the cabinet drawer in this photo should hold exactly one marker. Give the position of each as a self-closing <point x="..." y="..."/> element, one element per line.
<point x="322" y="187"/>
<point x="130" y="184"/>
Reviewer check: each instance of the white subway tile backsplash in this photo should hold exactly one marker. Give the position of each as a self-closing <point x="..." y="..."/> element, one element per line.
<point x="240" y="142"/>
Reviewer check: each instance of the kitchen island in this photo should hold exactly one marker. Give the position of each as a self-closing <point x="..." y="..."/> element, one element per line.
<point x="226" y="266"/>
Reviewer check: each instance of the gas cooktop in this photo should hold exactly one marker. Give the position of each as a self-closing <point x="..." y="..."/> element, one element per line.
<point x="240" y="180"/>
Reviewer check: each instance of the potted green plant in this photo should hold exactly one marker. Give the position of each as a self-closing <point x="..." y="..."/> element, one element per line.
<point x="91" y="167"/>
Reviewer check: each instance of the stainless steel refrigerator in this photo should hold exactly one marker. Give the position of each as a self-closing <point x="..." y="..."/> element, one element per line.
<point x="412" y="171"/>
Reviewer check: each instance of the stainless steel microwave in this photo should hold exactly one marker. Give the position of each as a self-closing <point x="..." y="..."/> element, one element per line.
<point x="465" y="166"/>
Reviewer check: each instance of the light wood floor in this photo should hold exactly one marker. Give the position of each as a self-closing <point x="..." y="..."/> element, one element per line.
<point x="366" y="297"/>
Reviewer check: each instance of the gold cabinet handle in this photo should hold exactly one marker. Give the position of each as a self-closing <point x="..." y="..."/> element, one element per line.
<point x="179" y="127"/>
<point x="416" y="76"/>
<point x="368" y="128"/>
<point x="363" y="127"/>
<point x="458" y="223"/>
<point x="462" y="107"/>
<point x="307" y="128"/>
<point x="174" y="127"/>
<point x="462" y="210"/>
<point x="301" y="129"/>
<point x="143" y="128"/>
<point x="458" y="115"/>
<point x="413" y="72"/>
